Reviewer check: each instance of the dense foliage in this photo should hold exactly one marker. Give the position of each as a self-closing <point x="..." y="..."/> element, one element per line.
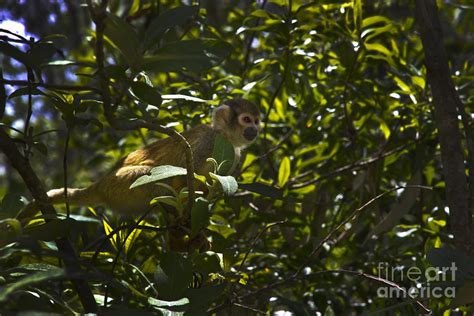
<point x="345" y="176"/>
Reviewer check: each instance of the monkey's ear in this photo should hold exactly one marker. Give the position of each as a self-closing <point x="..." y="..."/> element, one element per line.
<point x="221" y="117"/>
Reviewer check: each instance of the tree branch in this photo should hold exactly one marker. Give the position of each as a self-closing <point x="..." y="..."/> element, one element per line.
<point x="22" y="165"/>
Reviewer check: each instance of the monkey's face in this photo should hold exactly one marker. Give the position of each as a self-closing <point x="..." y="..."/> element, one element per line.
<point x="249" y="126"/>
<point x="238" y="120"/>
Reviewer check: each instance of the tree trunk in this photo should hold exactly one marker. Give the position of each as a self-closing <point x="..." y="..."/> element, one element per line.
<point x="446" y="109"/>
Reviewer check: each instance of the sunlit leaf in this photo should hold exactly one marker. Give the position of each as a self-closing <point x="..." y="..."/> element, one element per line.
<point x="374" y="20"/>
<point x="284" y="171"/>
<point x="357" y="15"/>
<point x="228" y="183"/>
<point x="159" y="173"/>
<point x="224" y="154"/>
<point x="132" y="237"/>
<point x="114" y="239"/>
<point x="182" y="97"/>
<point x="10" y="229"/>
<point x="163" y="304"/>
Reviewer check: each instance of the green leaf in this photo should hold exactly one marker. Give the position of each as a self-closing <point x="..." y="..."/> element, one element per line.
<point x="123" y="36"/>
<point x="25" y="91"/>
<point x="357" y="15"/>
<point x="224" y="153"/>
<point x="132" y="236"/>
<point x="154" y="302"/>
<point x="166" y="21"/>
<point x="146" y="93"/>
<point x="168" y="200"/>
<point x="66" y="63"/>
<point x="259" y="13"/>
<point x="36" y="267"/>
<point x="371" y="33"/>
<point x="114" y="238"/>
<point x="11" y="205"/>
<point x="191" y="55"/>
<point x="262" y="189"/>
<point x="10" y="229"/>
<point x="378" y="48"/>
<point x="284" y="171"/>
<point x="199" y="215"/>
<point x="385" y="129"/>
<point x="6" y="291"/>
<point x="223" y="230"/>
<point x="405" y="88"/>
<point x="182" y="97"/>
<point x="173" y="275"/>
<point x="384" y="53"/>
<point x="207" y="262"/>
<point x="159" y="173"/>
<point x="41" y="53"/>
<point x="228" y="183"/>
<point x="51" y="230"/>
<point x="375" y="19"/>
<point x="202" y="298"/>
<point x="14" y="53"/>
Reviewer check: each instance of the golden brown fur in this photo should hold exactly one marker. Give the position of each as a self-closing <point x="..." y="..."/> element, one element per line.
<point x="112" y="190"/>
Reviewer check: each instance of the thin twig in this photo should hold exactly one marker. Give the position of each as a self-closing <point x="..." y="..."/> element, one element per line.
<point x="49" y="86"/>
<point x="29" y="113"/>
<point x="3" y="97"/>
<point x="353" y="166"/>
<point x="103" y="239"/>
<point x="285" y="70"/>
<point x="349" y="218"/>
<point x="120" y="248"/>
<point x="249" y="44"/>
<point x="66" y="148"/>
<point x="297" y="274"/>
<point x="255" y="240"/>
<point x="377" y="279"/>
<point x="257" y="311"/>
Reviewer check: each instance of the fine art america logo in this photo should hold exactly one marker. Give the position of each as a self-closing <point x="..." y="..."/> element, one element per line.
<point x="425" y="283"/>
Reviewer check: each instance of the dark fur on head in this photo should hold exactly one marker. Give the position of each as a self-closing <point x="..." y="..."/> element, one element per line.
<point x="239" y="106"/>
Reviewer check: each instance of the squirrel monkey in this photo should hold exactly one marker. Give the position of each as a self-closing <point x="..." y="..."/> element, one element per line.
<point x="236" y="120"/>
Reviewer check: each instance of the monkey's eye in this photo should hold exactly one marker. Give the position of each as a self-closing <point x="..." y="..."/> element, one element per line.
<point x="247" y="119"/>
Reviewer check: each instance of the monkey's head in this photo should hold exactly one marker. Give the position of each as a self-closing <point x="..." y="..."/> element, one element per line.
<point x="238" y="120"/>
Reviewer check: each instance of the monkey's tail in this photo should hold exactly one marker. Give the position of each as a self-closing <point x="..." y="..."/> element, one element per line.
<point x="76" y="196"/>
